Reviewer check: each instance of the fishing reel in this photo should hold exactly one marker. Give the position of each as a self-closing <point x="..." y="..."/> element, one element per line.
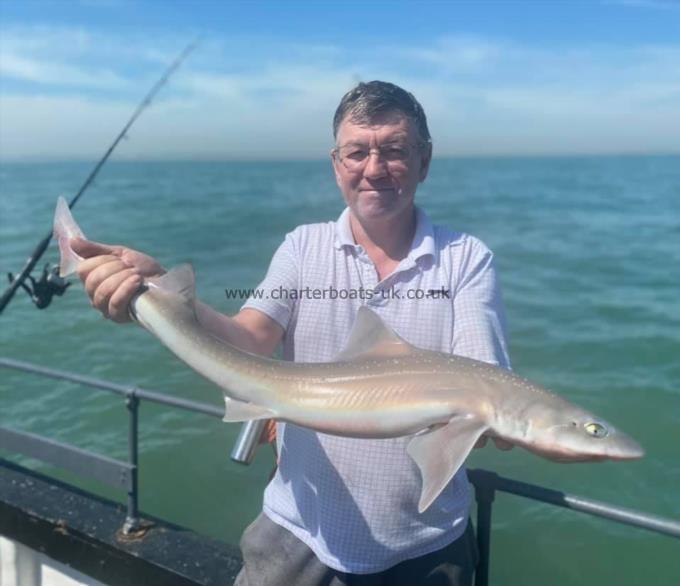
<point x="45" y="288"/>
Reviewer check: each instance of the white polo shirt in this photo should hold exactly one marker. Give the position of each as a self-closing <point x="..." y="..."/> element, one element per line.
<point x="354" y="502"/>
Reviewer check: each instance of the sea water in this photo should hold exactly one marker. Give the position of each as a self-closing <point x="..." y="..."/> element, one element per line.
<point x="588" y="251"/>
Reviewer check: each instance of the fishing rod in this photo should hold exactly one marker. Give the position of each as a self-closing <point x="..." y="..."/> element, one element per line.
<point x="50" y="283"/>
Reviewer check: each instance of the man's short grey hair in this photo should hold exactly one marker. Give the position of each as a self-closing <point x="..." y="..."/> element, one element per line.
<point x="366" y="102"/>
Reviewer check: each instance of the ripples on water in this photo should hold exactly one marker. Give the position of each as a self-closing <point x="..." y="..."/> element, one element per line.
<point x="588" y="249"/>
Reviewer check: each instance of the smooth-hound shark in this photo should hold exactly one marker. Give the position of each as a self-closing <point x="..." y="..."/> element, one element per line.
<point x="380" y="386"/>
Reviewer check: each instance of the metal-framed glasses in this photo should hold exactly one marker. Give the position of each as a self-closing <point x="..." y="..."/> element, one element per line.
<point x="354" y="156"/>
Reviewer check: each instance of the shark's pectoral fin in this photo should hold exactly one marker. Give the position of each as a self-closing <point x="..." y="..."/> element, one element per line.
<point x="241" y="411"/>
<point x="441" y="452"/>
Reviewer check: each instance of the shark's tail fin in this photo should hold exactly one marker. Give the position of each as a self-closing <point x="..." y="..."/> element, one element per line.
<point x="65" y="228"/>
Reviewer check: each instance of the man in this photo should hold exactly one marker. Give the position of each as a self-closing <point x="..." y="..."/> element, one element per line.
<point x="343" y="510"/>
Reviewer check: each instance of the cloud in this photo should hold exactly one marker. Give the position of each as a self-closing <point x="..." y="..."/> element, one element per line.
<point x="254" y="97"/>
<point x="80" y="47"/>
<point x="49" y="72"/>
<point x="460" y="54"/>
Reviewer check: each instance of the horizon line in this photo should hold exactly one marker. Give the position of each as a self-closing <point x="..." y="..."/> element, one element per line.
<point x="189" y="159"/>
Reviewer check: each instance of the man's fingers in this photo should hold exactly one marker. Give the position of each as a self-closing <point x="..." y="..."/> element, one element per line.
<point x="89" y="248"/>
<point x="481" y="442"/>
<point x="94" y="280"/>
<point x="112" y="275"/>
<point x="107" y="287"/>
<point x="88" y="265"/>
<point x="121" y="297"/>
<point x="502" y="444"/>
<point x="268" y="434"/>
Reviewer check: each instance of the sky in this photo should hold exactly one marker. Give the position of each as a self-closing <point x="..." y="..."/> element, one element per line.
<point x="495" y="77"/>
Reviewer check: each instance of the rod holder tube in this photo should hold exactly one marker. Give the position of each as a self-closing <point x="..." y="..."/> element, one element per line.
<point x="247" y="441"/>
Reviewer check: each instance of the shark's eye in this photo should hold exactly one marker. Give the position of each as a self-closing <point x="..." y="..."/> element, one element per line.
<point x="596" y="429"/>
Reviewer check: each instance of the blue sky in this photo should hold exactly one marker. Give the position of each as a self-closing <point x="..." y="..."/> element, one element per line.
<point x="495" y="77"/>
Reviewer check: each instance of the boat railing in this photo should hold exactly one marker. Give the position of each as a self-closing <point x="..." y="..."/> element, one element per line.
<point x="124" y="474"/>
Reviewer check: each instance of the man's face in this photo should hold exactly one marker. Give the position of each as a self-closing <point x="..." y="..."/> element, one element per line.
<point x="382" y="186"/>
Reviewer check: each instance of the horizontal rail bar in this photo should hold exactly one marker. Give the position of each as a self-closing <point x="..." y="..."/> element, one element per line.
<point x="484" y="478"/>
<point x="147" y="395"/>
<point x="83" y="462"/>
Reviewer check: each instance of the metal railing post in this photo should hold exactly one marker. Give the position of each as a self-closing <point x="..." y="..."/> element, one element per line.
<point x="485" y="494"/>
<point x="132" y="520"/>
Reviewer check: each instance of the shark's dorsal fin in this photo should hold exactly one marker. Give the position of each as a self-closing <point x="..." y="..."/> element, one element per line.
<point x="371" y="337"/>
<point x="180" y="280"/>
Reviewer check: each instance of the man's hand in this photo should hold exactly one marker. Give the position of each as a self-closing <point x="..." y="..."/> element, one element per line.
<point x="268" y="435"/>
<point x="501" y="444"/>
<point x="112" y="275"/>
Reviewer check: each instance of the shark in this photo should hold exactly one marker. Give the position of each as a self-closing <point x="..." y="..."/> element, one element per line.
<point x="379" y="386"/>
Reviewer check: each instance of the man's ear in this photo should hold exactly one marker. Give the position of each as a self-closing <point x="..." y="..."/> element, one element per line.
<point x="425" y="160"/>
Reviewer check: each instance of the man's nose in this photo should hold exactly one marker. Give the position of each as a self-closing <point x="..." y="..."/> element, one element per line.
<point x="376" y="166"/>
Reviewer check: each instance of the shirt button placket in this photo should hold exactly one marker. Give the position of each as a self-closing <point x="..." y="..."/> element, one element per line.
<point x="380" y="292"/>
<point x="369" y="279"/>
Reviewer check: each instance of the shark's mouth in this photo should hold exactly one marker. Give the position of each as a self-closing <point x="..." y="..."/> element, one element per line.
<point x="562" y="454"/>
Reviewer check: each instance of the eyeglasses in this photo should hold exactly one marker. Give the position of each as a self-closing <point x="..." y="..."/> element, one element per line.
<point x="354" y="156"/>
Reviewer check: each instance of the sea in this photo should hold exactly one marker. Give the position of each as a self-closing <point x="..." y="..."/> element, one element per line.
<point x="588" y="250"/>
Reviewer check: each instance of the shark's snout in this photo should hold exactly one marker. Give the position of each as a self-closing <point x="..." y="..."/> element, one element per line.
<point x="626" y="448"/>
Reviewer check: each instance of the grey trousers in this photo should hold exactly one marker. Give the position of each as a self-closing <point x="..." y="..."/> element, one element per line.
<point x="273" y="556"/>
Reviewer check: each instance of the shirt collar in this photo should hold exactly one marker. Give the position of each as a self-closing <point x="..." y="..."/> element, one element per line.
<point x="423" y="239"/>
<point x="343" y="231"/>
